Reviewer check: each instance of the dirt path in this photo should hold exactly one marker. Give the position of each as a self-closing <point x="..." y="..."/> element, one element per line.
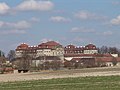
<point x="60" y="74"/>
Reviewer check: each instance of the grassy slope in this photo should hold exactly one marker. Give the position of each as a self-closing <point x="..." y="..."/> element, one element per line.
<point x="82" y="83"/>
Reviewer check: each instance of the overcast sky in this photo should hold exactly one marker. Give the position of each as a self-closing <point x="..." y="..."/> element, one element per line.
<point x="78" y="22"/>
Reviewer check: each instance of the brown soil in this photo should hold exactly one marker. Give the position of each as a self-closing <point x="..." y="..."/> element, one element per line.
<point x="60" y="74"/>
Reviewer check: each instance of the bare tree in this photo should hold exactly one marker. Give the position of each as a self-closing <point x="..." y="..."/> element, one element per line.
<point x="11" y="55"/>
<point x="68" y="64"/>
<point x="103" y="49"/>
<point x="113" y="50"/>
<point x="24" y="62"/>
<point x="114" y="61"/>
<point x="55" y="65"/>
<point x="2" y="54"/>
<point x="46" y="65"/>
<point x="106" y="49"/>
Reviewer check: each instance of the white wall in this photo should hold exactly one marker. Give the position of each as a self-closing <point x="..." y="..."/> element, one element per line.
<point x="90" y="51"/>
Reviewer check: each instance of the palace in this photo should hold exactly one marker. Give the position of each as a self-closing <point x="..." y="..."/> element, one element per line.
<point x="88" y="49"/>
<point x="50" y="48"/>
<point x="53" y="51"/>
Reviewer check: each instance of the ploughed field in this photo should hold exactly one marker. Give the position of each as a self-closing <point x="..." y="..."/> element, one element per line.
<point x="105" y="71"/>
<point x="76" y="83"/>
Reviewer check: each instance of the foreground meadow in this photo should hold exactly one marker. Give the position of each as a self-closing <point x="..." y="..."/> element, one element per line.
<point x="80" y="83"/>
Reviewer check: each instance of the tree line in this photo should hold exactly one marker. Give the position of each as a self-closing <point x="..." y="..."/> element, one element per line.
<point x="111" y="50"/>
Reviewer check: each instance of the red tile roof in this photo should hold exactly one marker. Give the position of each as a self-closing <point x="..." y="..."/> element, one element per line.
<point x="90" y="47"/>
<point x="22" y="46"/>
<point x="49" y="44"/>
<point x="100" y="59"/>
<point x="70" y="46"/>
<point x="104" y="59"/>
<point x="83" y="55"/>
<point x="118" y="59"/>
<point x="52" y="43"/>
<point x="79" y="55"/>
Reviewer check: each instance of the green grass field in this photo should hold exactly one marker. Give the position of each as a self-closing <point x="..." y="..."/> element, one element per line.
<point x="81" y="83"/>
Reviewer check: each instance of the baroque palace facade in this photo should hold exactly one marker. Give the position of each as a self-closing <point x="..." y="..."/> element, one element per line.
<point x="48" y="49"/>
<point x="52" y="48"/>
